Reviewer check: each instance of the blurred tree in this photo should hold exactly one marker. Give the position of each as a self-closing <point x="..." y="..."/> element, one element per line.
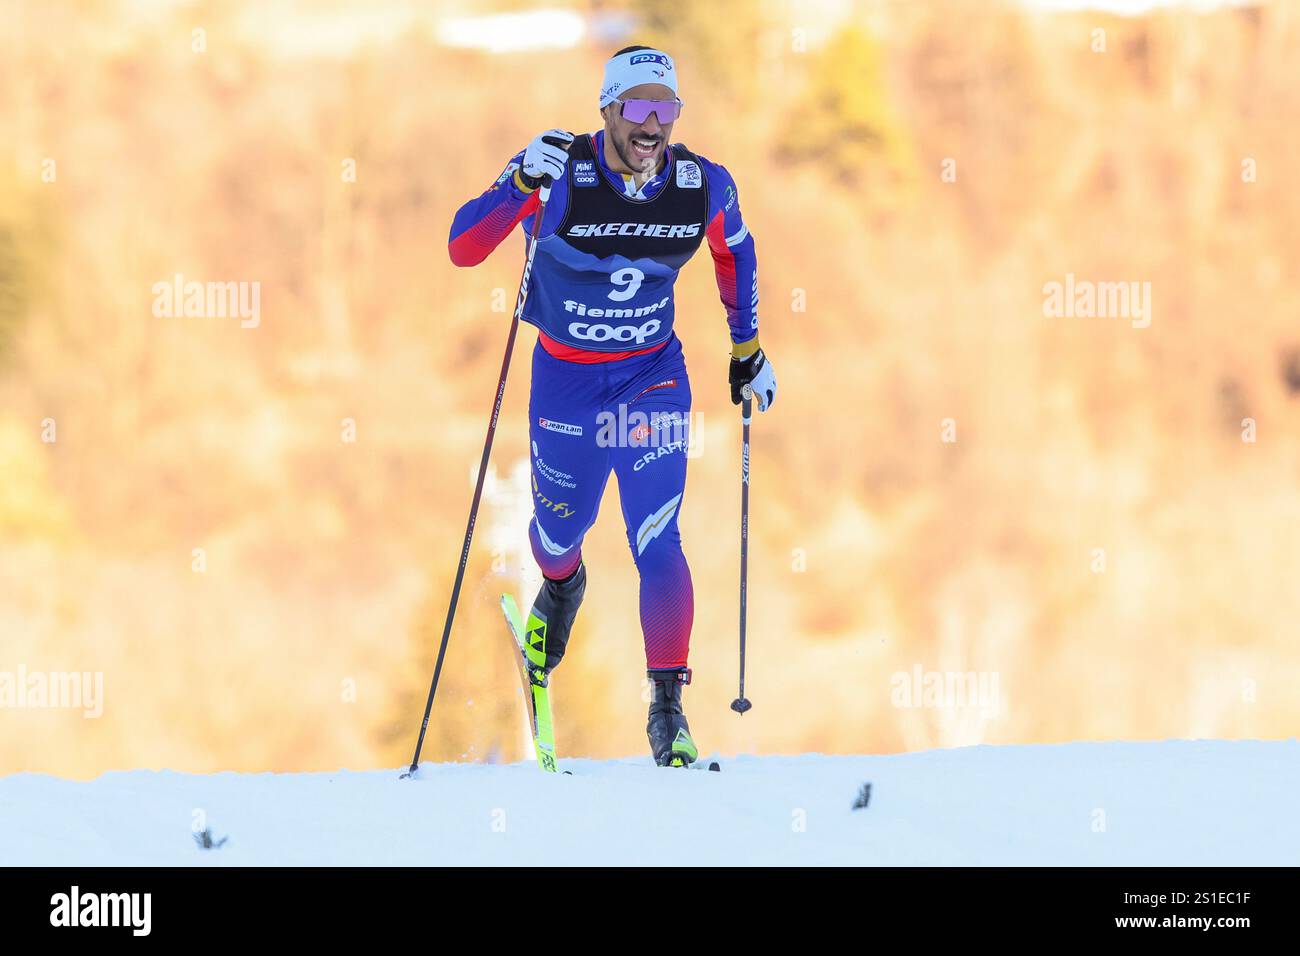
<point x="13" y="292"/>
<point x="717" y="43"/>
<point x="26" y="251"/>
<point x="30" y="507"/>
<point x="843" y="121"/>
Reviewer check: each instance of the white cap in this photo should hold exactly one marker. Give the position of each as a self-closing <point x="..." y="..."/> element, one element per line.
<point x="627" y="70"/>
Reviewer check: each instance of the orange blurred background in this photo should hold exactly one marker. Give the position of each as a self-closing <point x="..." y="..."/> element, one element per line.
<point x="1102" y="516"/>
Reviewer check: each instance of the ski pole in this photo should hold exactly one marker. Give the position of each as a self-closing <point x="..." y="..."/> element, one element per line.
<point x="741" y="704"/>
<point x="543" y="195"/>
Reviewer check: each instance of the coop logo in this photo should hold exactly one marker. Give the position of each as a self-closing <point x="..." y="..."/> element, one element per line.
<point x="584" y="172"/>
<point x="589" y="332"/>
<point x="653" y="230"/>
<point x="132" y="910"/>
<point x="562" y="427"/>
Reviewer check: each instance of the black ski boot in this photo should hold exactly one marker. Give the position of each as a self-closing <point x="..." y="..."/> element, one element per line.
<point x="670" y="735"/>
<point x="551" y="618"/>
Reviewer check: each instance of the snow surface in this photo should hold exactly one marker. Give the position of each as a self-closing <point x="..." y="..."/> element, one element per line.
<point x="1173" y="802"/>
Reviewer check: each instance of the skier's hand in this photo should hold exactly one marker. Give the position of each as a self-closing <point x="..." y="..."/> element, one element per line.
<point x="756" y="372"/>
<point x="546" y="155"/>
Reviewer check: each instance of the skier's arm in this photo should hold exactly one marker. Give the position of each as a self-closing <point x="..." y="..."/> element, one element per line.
<point x="735" y="265"/>
<point x="482" y="223"/>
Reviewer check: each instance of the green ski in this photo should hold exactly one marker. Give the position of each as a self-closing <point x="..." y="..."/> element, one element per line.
<point x="531" y="643"/>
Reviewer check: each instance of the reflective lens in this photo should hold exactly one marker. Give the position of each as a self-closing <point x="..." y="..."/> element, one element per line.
<point x="638" y="111"/>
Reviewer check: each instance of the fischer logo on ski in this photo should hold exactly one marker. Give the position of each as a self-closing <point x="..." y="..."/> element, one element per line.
<point x="530" y="657"/>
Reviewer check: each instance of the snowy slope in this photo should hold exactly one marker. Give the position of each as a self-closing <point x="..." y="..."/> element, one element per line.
<point x="1176" y="802"/>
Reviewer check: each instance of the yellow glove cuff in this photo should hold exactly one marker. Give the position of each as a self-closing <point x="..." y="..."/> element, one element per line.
<point x="519" y="184"/>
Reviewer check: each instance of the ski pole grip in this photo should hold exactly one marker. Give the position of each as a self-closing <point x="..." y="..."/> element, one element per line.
<point x="547" y="179"/>
<point x="746" y="398"/>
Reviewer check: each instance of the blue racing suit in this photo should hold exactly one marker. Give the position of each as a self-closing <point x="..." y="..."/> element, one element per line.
<point x="609" y="385"/>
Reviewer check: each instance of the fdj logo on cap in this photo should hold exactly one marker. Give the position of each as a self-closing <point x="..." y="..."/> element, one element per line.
<point x="651" y="58"/>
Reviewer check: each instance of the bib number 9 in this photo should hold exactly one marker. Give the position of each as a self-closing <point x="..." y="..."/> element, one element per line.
<point x="630" y="279"/>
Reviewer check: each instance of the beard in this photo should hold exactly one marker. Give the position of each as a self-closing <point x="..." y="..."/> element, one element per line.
<point x="623" y="148"/>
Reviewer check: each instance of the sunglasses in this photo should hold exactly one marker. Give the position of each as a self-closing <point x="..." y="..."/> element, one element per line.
<point x="638" y="111"/>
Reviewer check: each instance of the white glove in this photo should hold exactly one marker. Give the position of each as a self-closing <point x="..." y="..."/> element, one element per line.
<point x="546" y="155"/>
<point x="756" y="372"/>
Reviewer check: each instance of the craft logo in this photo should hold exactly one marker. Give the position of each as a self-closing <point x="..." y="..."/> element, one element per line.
<point x="660" y="451"/>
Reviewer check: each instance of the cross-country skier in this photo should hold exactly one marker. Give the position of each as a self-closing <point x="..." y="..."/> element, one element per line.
<point x="626" y="211"/>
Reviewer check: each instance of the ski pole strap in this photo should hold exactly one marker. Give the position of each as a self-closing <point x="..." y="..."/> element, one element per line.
<point x="681" y="675"/>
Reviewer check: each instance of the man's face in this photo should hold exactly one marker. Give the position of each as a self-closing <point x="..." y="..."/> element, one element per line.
<point x="639" y="145"/>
